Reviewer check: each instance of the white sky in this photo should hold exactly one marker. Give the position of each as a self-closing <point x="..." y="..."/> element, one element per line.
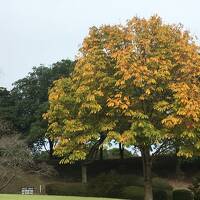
<point x="34" y="32"/>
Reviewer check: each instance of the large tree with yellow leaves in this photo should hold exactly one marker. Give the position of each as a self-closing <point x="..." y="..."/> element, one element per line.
<point x="137" y="84"/>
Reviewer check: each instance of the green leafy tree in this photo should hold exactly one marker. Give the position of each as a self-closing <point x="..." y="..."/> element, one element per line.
<point x="137" y="84"/>
<point x="6" y="113"/>
<point x="6" y="104"/>
<point x="30" y="96"/>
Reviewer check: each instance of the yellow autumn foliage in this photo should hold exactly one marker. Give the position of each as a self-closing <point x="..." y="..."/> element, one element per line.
<point x="142" y="76"/>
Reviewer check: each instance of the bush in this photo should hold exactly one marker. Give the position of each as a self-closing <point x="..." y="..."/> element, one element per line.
<point x="137" y="193"/>
<point x="71" y="189"/>
<point x="106" y="185"/>
<point x="195" y="188"/>
<point x="182" y="194"/>
<point x="160" y="194"/>
<point x="133" y="192"/>
<point x="162" y="190"/>
<point x="159" y="183"/>
<point x="112" y="185"/>
<point x="130" y="180"/>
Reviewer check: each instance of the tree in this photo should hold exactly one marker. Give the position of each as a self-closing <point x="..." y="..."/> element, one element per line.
<point x="30" y="96"/>
<point x="6" y="104"/>
<point x="15" y="156"/>
<point x="137" y="84"/>
<point x="6" y="113"/>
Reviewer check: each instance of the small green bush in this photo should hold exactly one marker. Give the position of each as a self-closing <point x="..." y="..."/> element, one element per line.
<point x="106" y="185"/>
<point x="159" y="183"/>
<point x="195" y="188"/>
<point x="162" y="190"/>
<point x="182" y="194"/>
<point x="71" y="189"/>
<point x="112" y="185"/>
<point x="133" y="192"/>
<point x="160" y="194"/>
<point x="129" y="180"/>
<point x="137" y="193"/>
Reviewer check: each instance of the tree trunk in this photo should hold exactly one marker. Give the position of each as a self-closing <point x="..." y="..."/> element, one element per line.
<point x="178" y="168"/>
<point x="101" y="153"/>
<point x="179" y="172"/>
<point x="121" y="151"/>
<point x="84" y="174"/>
<point x="147" y="167"/>
<point x="50" y="148"/>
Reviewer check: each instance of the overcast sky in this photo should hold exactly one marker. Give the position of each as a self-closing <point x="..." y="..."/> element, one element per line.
<point x="34" y="32"/>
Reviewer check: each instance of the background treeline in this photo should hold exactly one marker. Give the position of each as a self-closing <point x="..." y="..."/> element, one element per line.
<point x="22" y="107"/>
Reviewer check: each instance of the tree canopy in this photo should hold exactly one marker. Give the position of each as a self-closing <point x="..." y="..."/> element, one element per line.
<point x="136" y="83"/>
<point x="30" y="97"/>
<point x="144" y="74"/>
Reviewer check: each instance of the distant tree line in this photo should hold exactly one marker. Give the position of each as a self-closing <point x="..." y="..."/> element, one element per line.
<point x="22" y="107"/>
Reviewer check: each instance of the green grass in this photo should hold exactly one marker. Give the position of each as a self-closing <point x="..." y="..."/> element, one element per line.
<point x="44" y="197"/>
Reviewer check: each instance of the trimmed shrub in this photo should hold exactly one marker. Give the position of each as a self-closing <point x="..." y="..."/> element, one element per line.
<point x="160" y="194"/>
<point x="159" y="183"/>
<point x="106" y="185"/>
<point x="162" y="190"/>
<point x="137" y="193"/>
<point x="71" y="189"/>
<point x="129" y="180"/>
<point x="112" y="185"/>
<point x="182" y="194"/>
<point x="133" y="192"/>
<point x="195" y="188"/>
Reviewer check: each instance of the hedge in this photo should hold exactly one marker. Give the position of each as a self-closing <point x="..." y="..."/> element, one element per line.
<point x="69" y="189"/>
<point x="137" y="193"/>
<point x="182" y="194"/>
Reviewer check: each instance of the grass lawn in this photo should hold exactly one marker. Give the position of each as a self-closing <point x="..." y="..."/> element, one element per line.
<point x="45" y="197"/>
